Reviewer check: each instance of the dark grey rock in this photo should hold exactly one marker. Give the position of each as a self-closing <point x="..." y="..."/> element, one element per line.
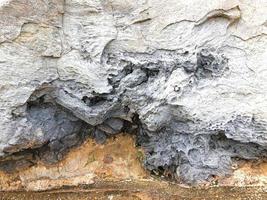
<point x="189" y="148"/>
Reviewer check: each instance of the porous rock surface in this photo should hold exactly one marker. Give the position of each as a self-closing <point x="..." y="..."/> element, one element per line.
<point x="187" y="77"/>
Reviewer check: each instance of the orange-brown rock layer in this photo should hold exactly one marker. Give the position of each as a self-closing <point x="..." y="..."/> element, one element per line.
<point x="118" y="159"/>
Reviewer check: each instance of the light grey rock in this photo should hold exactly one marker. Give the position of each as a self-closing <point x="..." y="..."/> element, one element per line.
<point x="189" y="77"/>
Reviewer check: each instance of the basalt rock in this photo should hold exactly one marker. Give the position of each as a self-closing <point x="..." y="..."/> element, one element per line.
<point x="187" y="78"/>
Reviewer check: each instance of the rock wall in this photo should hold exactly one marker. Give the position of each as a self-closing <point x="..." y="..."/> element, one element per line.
<point x="188" y="78"/>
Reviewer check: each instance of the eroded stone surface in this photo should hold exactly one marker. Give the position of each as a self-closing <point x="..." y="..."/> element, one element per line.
<point x="90" y="163"/>
<point x="118" y="160"/>
<point x="187" y="77"/>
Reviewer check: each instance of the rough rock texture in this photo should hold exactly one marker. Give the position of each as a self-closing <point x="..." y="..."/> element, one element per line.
<point x="118" y="160"/>
<point x="187" y="77"/>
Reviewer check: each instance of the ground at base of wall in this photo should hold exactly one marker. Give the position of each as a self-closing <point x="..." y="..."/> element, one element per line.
<point x="141" y="190"/>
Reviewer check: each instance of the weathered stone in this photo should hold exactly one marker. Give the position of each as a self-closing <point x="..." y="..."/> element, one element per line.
<point x="190" y="76"/>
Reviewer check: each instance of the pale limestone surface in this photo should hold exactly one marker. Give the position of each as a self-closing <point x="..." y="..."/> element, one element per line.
<point x="81" y="48"/>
